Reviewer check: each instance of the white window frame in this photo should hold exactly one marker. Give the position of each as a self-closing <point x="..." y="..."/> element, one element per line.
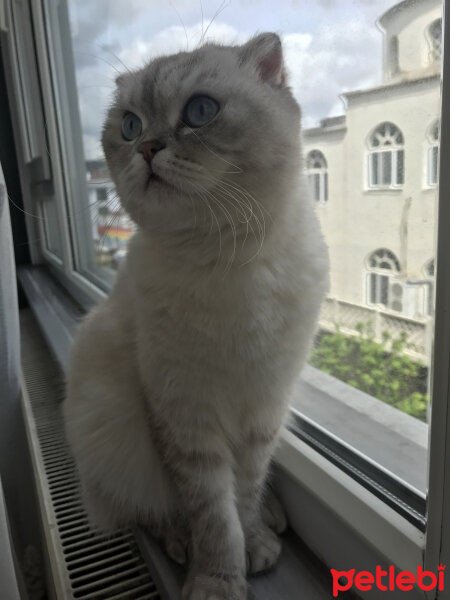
<point x="329" y="494"/>
<point x="380" y="278"/>
<point x="380" y="275"/>
<point x="318" y="176"/>
<point x="375" y="155"/>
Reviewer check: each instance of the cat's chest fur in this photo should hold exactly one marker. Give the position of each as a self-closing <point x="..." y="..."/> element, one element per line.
<point x="228" y="341"/>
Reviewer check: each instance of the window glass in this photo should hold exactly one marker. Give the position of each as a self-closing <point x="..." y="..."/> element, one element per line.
<point x="400" y="167"/>
<point x="316" y="167"/>
<point x="386" y="167"/>
<point x="364" y="121"/>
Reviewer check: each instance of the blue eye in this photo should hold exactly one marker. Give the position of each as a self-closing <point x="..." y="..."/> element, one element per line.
<point x="131" y="126"/>
<point x="199" y="111"/>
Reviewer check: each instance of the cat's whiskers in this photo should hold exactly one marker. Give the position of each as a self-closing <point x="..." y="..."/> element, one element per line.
<point x="244" y="199"/>
<point x="243" y="190"/>
<point x="221" y="8"/>
<point x="259" y="239"/>
<point x="213" y="215"/>
<point x="238" y="169"/>
<point x="236" y="196"/>
<point x="182" y="23"/>
<point x="195" y="215"/>
<point x="259" y="206"/>
<point x="114" y="55"/>
<point x="229" y="218"/>
<point x="115" y="216"/>
<point x="246" y="220"/>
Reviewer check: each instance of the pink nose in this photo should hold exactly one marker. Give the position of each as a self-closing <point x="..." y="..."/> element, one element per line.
<point x="149" y="149"/>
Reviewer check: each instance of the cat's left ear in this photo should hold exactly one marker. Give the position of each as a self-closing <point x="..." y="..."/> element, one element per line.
<point x="264" y="51"/>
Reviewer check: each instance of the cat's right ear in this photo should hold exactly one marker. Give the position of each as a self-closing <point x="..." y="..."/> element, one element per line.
<point x="265" y="53"/>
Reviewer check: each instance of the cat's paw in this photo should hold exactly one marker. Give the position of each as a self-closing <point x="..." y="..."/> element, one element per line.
<point x="176" y="548"/>
<point x="176" y="541"/>
<point x="272" y="513"/>
<point x="263" y="548"/>
<point x="208" y="587"/>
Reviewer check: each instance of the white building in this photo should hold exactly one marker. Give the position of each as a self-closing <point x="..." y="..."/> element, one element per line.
<point x="374" y="170"/>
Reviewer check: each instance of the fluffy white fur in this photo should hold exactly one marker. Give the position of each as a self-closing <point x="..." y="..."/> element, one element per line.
<point x="180" y="381"/>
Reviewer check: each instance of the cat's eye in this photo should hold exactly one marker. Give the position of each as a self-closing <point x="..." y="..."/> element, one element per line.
<point x="131" y="126"/>
<point x="199" y="111"/>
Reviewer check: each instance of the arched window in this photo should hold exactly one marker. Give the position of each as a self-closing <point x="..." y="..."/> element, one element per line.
<point x="434" y="34"/>
<point x="383" y="266"/>
<point x="316" y="167"/>
<point x="386" y="156"/>
<point x="433" y="153"/>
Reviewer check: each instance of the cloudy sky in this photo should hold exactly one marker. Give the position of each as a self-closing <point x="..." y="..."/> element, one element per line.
<point x="330" y="46"/>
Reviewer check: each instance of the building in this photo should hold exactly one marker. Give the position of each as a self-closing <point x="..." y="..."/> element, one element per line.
<point x="373" y="174"/>
<point x="111" y="226"/>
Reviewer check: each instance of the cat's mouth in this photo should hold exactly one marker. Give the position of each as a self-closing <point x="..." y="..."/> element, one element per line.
<point x="153" y="178"/>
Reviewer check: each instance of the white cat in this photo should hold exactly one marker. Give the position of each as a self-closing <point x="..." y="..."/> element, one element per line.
<point x="180" y="381"/>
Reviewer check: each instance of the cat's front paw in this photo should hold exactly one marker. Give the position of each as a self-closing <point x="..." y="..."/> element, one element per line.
<point x="272" y="512"/>
<point x="208" y="587"/>
<point x="263" y="548"/>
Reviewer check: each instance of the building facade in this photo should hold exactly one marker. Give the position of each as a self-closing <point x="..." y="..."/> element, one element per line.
<point x="373" y="171"/>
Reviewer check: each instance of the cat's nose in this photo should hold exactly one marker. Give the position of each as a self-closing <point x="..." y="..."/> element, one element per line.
<point x="149" y="149"/>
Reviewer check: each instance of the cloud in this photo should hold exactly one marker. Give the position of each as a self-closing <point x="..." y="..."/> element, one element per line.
<point x="339" y="57"/>
<point x="175" y="39"/>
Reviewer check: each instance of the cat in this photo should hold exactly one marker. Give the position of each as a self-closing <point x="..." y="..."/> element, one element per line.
<point x="180" y="381"/>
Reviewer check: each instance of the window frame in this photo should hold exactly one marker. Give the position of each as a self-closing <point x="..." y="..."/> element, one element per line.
<point x="379" y="275"/>
<point x="301" y="469"/>
<point x="318" y="177"/>
<point x="435" y="43"/>
<point x="375" y="156"/>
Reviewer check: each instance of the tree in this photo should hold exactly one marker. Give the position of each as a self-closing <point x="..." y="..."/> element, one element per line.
<point x="381" y="370"/>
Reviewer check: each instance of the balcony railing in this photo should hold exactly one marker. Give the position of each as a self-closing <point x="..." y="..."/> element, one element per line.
<point x="348" y="316"/>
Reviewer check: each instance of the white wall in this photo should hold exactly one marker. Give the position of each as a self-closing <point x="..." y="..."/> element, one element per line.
<point x="358" y="220"/>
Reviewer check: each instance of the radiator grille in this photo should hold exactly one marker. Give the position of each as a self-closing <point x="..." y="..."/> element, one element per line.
<point x="89" y="564"/>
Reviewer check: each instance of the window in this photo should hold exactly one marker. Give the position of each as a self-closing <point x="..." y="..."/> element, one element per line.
<point x="316" y="166"/>
<point x="357" y="400"/>
<point x="386" y="157"/>
<point x="384" y="265"/>
<point x="433" y="154"/>
<point x="429" y="268"/>
<point x="435" y="40"/>
<point x="393" y="55"/>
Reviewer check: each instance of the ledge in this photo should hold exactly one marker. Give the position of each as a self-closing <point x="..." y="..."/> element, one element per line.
<point x="385" y="434"/>
<point x="345" y="412"/>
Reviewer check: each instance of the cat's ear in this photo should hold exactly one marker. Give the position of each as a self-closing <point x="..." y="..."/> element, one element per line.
<point x="264" y="51"/>
<point x="122" y="78"/>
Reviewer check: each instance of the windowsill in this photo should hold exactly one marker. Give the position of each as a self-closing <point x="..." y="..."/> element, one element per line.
<point x="382" y="189"/>
<point x="298" y="574"/>
<point x="390" y="437"/>
<point x="369" y="532"/>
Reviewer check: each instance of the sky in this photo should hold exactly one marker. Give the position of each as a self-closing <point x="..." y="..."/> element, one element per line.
<point x="330" y="46"/>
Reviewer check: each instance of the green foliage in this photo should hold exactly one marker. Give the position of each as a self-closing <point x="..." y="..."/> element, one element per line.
<point x="379" y="369"/>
